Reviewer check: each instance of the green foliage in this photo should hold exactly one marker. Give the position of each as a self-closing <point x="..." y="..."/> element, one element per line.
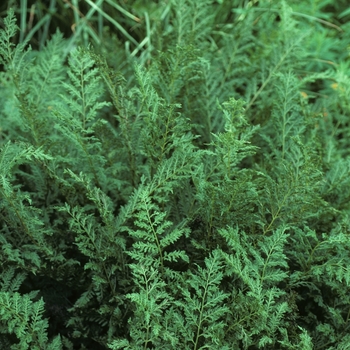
<point x="174" y="175"/>
<point x="22" y="316"/>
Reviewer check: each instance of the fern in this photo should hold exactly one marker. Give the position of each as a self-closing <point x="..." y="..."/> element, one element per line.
<point x="22" y="316"/>
<point x="178" y="182"/>
<point x="222" y="183"/>
<point x="331" y="272"/>
<point x="104" y="263"/>
<point x="77" y="113"/>
<point x="154" y="235"/>
<point x="150" y="302"/>
<point x="257" y="272"/>
<point x="201" y="324"/>
<point x="194" y="316"/>
<point x="12" y="55"/>
<point x="287" y="121"/>
<point x="22" y="219"/>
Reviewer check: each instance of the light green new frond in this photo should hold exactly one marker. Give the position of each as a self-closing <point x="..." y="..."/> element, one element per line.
<point x="18" y="63"/>
<point x="273" y="257"/>
<point x="192" y="19"/>
<point x="148" y="327"/>
<point x="108" y="238"/>
<point x="82" y="302"/>
<point x="33" y="79"/>
<point x="78" y="115"/>
<point x="85" y="226"/>
<point x="10" y="253"/>
<point x="321" y="265"/>
<point x="97" y="196"/>
<point x="286" y="115"/>
<point x="154" y="234"/>
<point x="122" y="344"/>
<point x="234" y="144"/>
<point x="272" y="316"/>
<point x="246" y="264"/>
<point x="224" y="184"/>
<point x="203" y="305"/>
<point x="6" y="45"/>
<point x="55" y="344"/>
<point x="129" y="209"/>
<point x="14" y="154"/>
<point x="165" y="128"/>
<point x="296" y="190"/>
<point x="150" y="301"/>
<point x="87" y="107"/>
<point x="304" y="341"/>
<point x="278" y="51"/>
<point x="83" y="93"/>
<point x="172" y="172"/>
<point x="13" y="56"/>
<point x="99" y="242"/>
<point x="257" y="271"/>
<point x="47" y="75"/>
<point x="336" y="187"/>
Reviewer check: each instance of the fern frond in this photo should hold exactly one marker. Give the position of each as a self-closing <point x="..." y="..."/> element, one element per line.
<point x="47" y="75"/>
<point x="23" y="219"/>
<point x="298" y="184"/>
<point x="24" y="319"/>
<point x="286" y="114"/>
<point x="222" y="181"/>
<point x="154" y="234"/>
<point x="11" y="28"/>
<point x="192" y="20"/>
<point x="108" y="239"/>
<point x="11" y="282"/>
<point x="150" y="302"/>
<point x="257" y="273"/>
<point x="77" y="114"/>
<point x="202" y="305"/>
<point x="13" y="56"/>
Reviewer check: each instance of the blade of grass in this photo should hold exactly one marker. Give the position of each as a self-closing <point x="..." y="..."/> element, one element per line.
<point x="52" y="9"/>
<point x="147" y="39"/>
<point x="37" y="26"/>
<point x="82" y="24"/>
<point x="113" y="21"/>
<point x="122" y="10"/>
<point x="23" y="20"/>
<point x="76" y="12"/>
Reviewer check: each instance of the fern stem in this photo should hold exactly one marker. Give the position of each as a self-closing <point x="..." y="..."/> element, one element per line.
<point x="199" y="325"/>
<point x="155" y="238"/>
<point x="276" y="215"/>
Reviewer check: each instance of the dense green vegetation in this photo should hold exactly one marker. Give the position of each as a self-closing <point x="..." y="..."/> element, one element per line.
<point x="175" y="174"/>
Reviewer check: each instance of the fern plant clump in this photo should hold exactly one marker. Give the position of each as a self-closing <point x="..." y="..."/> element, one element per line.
<point x="174" y="175"/>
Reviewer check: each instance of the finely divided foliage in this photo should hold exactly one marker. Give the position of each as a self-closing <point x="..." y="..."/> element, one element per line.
<point x="190" y="193"/>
